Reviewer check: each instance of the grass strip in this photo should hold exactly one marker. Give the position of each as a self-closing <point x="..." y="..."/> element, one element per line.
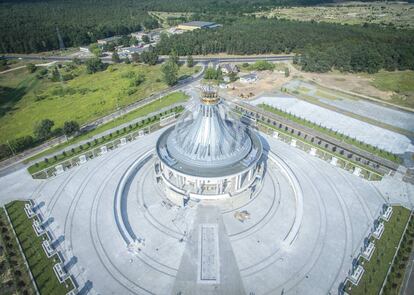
<point x="376" y="269"/>
<point x="40" y="265"/>
<point x="396" y="276"/>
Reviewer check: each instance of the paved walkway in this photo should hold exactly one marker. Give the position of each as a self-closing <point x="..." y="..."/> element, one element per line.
<point x="339" y="209"/>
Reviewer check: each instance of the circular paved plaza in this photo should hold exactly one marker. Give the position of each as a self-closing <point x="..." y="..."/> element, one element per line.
<point x="297" y="234"/>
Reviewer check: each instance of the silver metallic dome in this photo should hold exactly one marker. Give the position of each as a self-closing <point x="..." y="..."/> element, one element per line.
<point x="207" y="136"/>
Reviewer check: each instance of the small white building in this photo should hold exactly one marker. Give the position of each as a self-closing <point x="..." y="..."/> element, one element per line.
<point x="84" y="49"/>
<point x="249" y="78"/>
<point x="128" y="51"/>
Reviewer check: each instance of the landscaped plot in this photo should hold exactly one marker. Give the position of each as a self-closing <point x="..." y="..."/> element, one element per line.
<point x="14" y="277"/>
<point x="376" y="269"/>
<point x="40" y="265"/>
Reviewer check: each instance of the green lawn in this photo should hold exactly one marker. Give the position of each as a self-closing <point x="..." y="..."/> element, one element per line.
<point x="14" y="276"/>
<point x="396" y="276"/>
<point x="25" y="99"/>
<point x="338" y="136"/>
<point x="40" y="265"/>
<point x="402" y="83"/>
<point x="377" y="268"/>
<point x="168" y="100"/>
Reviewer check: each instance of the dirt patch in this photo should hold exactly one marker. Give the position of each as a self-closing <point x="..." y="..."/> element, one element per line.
<point x="350" y="82"/>
<point x="267" y="81"/>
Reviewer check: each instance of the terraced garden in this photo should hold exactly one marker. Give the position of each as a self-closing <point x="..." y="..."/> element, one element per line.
<point x="40" y="265"/>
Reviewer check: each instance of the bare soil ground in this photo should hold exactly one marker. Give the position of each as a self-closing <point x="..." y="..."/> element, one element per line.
<point x="349" y="82"/>
<point x="268" y="81"/>
<point x="272" y="81"/>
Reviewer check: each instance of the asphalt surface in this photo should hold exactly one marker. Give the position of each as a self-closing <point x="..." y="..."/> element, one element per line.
<point x="196" y="59"/>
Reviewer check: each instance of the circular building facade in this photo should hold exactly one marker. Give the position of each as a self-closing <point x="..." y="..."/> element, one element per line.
<point x="208" y="154"/>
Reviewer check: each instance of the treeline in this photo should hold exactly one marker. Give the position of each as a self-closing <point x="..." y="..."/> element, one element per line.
<point x="29" y="26"/>
<point x="321" y="46"/>
<point x="47" y="25"/>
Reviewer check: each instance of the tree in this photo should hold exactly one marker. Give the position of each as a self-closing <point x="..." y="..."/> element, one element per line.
<point x="145" y="39"/>
<point x="174" y="57"/>
<point x="115" y="57"/>
<point x="43" y="129"/>
<point x="213" y="74"/>
<point x="190" y="61"/>
<point x="5" y="151"/>
<point x="287" y="73"/>
<point x="31" y="68"/>
<point x="22" y="143"/>
<point x="133" y="41"/>
<point x="124" y="41"/>
<point x="95" y="49"/>
<point x="135" y="57"/>
<point x="94" y="65"/>
<point x="70" y="128"/>
<point x="263" y="65"/>
<point x="76" y="61"/>
<point x="149" y="57"/>
<point x="170" y="71"/>
<point x="232" y="76"/>
<point x="137" y="80"/>
<point x="3" y="64"/>
<point x="55" y="75"/>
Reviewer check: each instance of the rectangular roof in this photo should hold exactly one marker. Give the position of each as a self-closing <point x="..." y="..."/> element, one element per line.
<point x="199" y="24"/>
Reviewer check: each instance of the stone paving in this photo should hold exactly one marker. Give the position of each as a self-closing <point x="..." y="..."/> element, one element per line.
<point x="376" y="136"/>
<point x="375" y="111"/>
<point x="338" y="212"/>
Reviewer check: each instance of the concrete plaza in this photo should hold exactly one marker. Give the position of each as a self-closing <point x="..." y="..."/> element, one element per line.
<point x="251" y="256"/>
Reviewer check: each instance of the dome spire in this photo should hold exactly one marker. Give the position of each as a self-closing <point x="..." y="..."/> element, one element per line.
<point x="209" y="95"/>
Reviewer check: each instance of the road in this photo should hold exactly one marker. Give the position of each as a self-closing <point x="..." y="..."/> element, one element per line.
<point x="206" y="59"/>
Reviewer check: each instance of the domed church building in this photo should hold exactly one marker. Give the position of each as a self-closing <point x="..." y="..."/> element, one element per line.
<point x="209" y="154"/>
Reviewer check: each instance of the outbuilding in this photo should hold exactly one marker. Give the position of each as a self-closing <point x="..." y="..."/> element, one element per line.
<point x="193" y="25"/>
